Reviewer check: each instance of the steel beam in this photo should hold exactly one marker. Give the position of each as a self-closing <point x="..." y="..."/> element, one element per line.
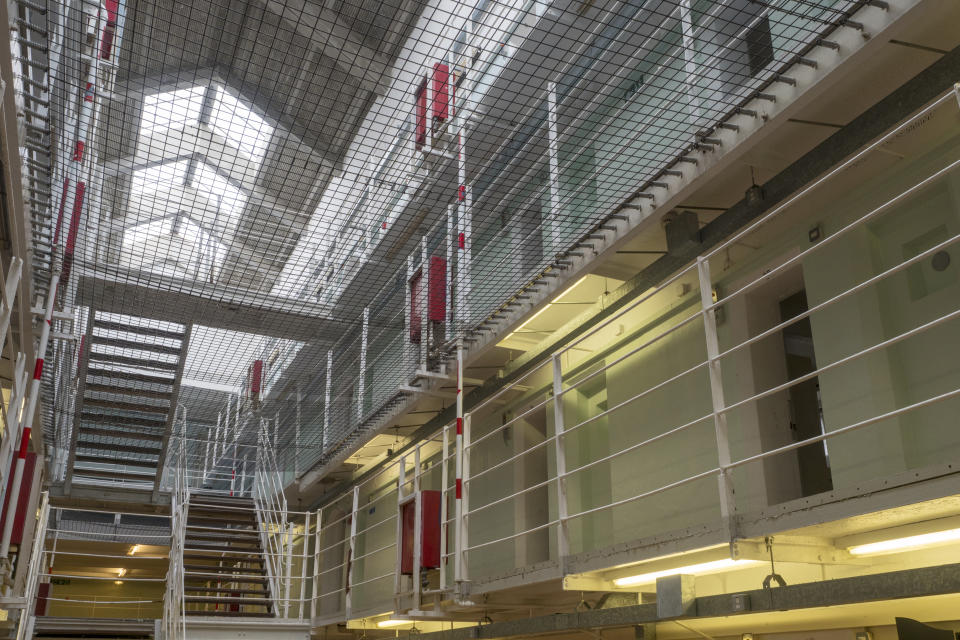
<point x="911" y="583"/>
<point x="150" y="295"/>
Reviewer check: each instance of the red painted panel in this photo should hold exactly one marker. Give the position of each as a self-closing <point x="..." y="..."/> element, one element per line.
<point x="441" y="92"/>
<point x="406" y="537"/>
<point x="430" y="552"/>
<point x="43" y="592"/>
<point x="437" y="289"/>
<point x="430" y="539"/>
<point x="106" y="44"/>
<point x="256" y="377"/>
<point x="416" y="313"/>
<point x="26" y="485"/>
<point x="74" y="229"/>
<point x="420" y="100"/>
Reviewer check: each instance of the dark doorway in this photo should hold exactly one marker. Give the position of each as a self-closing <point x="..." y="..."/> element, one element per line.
<point x="806" y="414"/>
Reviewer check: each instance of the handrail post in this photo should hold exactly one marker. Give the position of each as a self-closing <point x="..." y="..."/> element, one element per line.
<point x="353" y="547"/>
<point x="563" y="539"/>
<point x="707" y="301"/>
<point x="444" y="495"/>
<point x="314" y="601"/>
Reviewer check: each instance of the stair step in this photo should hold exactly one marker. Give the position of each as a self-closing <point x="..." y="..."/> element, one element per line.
<point x="127" y="435"/>
<point x="107" y="460"/>
<point x="257" y="602"/>
<point x="134" y="362"/>
<point x="128" y="391"/>
<point x="109" y="446"/>
<point x="230" y="614"/>
<point x="119" y="475"/>
<point x="237" y="536"/>
<point x="251" y="556"/>
<point x="225" y="590"/>
<point x="128" y="376"/>
<point x="209" y="568"/>
<point x="132" y="421"/>
<point x="193" y="577"/>
<point x="125" y="406"/>
<point x="144" y="331"/>
<point x="194" y="519"/>
<point x="133" y="344"/>
<point x="218" y="549"/>
<point x="238" y="504"/>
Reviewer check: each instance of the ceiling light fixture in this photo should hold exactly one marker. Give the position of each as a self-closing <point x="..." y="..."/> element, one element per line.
<point x="133" y="550"/>
<point x="703" y="567"/>
<point x="121" y="573"/>
<point x="569" y="289"/>
<point x="906" y="543"/>
<point x="393" y="622"/>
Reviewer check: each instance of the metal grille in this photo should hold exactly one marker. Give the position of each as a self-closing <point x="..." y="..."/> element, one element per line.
<point x="254" y="171"/>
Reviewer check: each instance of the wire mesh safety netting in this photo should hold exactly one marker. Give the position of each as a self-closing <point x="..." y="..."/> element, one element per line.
<point x="264" y="177"/>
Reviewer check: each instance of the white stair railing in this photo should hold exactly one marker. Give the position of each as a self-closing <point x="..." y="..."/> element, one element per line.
<point x="28" y="617"/>
<point x="275" y="533"/>
<point x="174" y="617"/>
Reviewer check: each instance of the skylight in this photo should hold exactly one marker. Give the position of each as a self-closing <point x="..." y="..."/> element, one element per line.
<point x="219" y="192"/>
<point x="177" y="247"/>
<point x="160" y="175"/>
<point x="242" y="127"/>
<point x="171" y="109"/>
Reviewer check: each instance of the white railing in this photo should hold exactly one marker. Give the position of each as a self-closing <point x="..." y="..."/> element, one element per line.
<point x="174" y="602"/>
<point x="348" y="539"/>
<point x="28" y="617"/>
<point x="276" y="536"/>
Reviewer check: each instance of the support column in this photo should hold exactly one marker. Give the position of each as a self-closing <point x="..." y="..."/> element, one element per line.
<point x="458" y="568"/>
<point x="553" y="152"/>
<point x="563" y="534"/>
<point x="316" y="564"/>
<point x="464" y="228"/>
<point x="444" y="511"/>
<point x="326" y="402"/>
<point x="362" y="385"/>
<point x="353" y="548"/>
<point x="417" y="529"/>
<point x="707" y="302"/>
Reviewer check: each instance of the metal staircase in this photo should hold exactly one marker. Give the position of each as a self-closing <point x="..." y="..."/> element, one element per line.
<point x="224" y="566"/>
<point x="129" y="381"/>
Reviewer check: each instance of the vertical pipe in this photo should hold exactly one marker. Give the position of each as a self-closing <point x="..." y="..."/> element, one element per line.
<point x="288" y="570"/>
<point x="364" y="335"/>
<point x="444" y="495"/>
<point x="303" y="564"/>
<point x="448" y="312"/>
<point x="226" y="427"/>
<point x="417" y="528"/>
<point x="563" y="544"/>
<point x="26" y="420"/>
<point x="296" y="437"/>
<point x="326" y="402"/>
<point x="716" y="390"/>
<point x="316" y="565"/>
<point x="553" y="151"/>
<point x="464" y="225"/>
<point x="397" y="575"/>
<point x="458" y="480"/>
<point x="206" y="454"/>
<point x="425" y="337"/>
<point x="465" y="536"/>
<point x="353" y="548"/>
<point x="408" y="358"/>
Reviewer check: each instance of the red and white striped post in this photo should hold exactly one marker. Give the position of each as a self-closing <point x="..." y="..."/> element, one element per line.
<point x="26" y="418"/>
<point x="459" y="566"/>
<point x="60" y="268"/>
